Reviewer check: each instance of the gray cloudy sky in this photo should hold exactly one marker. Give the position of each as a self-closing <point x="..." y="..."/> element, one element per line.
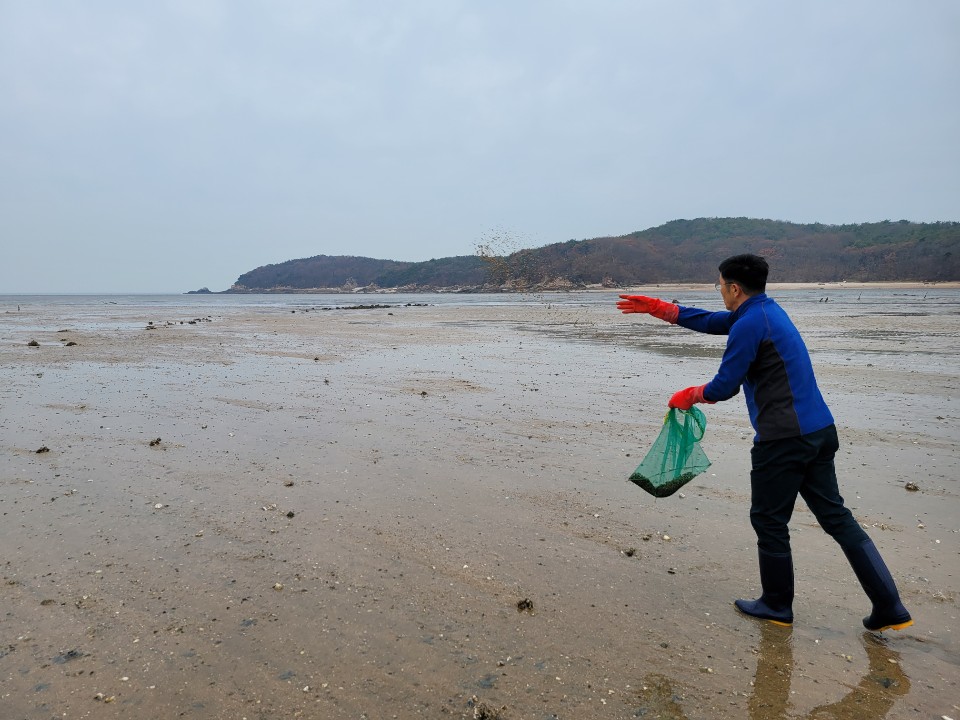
<point x="166" y="145"/>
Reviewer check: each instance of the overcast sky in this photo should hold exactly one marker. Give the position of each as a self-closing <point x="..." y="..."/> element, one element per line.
<point x="162" y="146"/>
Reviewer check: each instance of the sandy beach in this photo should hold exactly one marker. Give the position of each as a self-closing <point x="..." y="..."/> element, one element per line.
<point x="423" y="511"/>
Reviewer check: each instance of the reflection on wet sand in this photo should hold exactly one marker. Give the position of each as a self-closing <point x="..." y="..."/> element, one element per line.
<point x="871" y="699"/>
<point x="876" y="692"/>
<point x="771" y="684"/>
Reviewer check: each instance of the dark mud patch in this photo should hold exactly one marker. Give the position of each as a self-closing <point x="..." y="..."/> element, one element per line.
<point x="68" y="656"/>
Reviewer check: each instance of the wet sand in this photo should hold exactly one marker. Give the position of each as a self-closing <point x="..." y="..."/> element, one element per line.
<point x="424" y="512"/>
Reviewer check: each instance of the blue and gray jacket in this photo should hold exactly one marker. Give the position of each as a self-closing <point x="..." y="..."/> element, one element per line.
<point x="766" y="355"/>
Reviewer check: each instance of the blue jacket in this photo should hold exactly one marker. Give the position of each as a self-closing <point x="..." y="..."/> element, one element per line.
<point x="766" y="355"/>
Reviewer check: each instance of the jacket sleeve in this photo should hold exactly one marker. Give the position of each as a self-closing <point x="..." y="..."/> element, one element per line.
<point x="743" y="343"/>
<point x="705" y="321"/>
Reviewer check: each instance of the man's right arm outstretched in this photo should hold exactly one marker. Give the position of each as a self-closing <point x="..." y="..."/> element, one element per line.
<point x="705" y="321"/>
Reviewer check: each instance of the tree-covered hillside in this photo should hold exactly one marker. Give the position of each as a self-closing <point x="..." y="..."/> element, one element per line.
<point x="320" y="271"/>
<point x="679" y="251"/>
<point x="690" y="250"/>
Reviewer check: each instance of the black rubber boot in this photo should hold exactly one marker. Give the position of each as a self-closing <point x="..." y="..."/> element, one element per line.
<point x="776" y="579"/>
<point x="888" y="612"/>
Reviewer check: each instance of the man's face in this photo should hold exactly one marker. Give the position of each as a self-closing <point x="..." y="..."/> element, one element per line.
<point x="727" y="293"/>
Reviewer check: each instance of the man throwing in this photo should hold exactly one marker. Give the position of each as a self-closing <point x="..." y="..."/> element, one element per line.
<point x="795" y="443"/>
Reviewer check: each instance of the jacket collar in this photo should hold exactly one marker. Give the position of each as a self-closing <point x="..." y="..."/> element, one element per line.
<point x="749" y="302"/>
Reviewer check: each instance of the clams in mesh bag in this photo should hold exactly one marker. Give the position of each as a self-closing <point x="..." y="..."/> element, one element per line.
<point x="676" y="456"/>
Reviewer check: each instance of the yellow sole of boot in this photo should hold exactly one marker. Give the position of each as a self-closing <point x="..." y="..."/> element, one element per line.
<point x="898" y="626"/>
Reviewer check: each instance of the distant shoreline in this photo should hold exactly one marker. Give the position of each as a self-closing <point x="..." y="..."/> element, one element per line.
<point x="842" y="285"/>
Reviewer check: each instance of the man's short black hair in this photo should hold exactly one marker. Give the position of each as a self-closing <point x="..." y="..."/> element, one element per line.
<point x="747" y="271"/>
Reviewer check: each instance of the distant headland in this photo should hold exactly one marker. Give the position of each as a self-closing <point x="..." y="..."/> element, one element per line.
<point x="681" y="251"/>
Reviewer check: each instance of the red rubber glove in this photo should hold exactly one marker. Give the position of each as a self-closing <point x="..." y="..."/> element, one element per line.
<point x="652" y="306"/>
<point x="686" y="399"/>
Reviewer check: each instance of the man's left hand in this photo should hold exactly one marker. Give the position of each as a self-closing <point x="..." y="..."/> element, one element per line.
<point x="687" y="398"/>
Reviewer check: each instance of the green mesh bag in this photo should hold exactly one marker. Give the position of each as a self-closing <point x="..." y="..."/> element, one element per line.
<point x="676" y="457"/>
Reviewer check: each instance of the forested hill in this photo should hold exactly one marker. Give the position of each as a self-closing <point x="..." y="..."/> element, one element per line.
<point x="679" y="251"/>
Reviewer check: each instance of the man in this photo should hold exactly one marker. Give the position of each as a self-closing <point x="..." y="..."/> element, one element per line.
<point x="795" y="442"/>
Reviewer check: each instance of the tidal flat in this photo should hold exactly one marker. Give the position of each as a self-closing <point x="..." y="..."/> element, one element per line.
<point x="422" y="510"/>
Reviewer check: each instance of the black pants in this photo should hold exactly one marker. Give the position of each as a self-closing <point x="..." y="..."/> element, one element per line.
<point x="783" y="469"/>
